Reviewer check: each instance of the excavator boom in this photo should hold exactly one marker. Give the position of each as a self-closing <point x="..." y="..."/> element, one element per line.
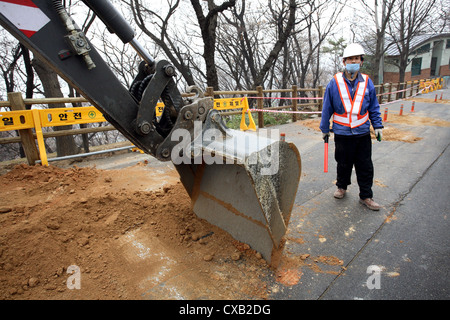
<point x="244" y="183"/>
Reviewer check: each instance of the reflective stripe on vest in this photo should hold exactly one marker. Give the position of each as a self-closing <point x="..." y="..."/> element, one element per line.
<point x="351" y="117"/>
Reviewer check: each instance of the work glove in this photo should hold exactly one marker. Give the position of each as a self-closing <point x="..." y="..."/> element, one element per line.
<point x="378" y="134"/>
<point x="325" y="136"/>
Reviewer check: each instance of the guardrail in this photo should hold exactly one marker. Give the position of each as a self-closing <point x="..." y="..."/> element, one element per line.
<point x="29" y="123"/>
<point x="298" y="99"/>
<point x="23" y="120"/>
<point x="26" y="120"/>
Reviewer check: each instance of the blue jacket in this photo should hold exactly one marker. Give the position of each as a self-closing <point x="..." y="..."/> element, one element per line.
<point x="332" y="103"/>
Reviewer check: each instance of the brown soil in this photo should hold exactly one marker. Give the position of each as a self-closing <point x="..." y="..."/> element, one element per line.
<point x="416" y="120"/>
<point x="430" y="100"/>
<point x="132" y="235"/>
<point x="391" y="133"/>
<point x="127" y="243"/>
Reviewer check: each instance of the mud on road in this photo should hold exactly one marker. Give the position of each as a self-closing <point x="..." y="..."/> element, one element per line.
<point x="127" y="243"/>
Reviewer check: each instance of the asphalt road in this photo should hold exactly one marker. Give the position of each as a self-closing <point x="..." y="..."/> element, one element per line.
<point x="400" y="252"/>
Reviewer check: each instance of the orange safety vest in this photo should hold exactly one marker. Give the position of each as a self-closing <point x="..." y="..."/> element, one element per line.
<point x="351" y="118"/>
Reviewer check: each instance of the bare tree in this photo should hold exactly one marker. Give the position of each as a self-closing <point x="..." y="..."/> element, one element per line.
<point x="255" y="41"/>
<point x="442" y="23"/>
<point x="208" y="25"/>
<point x="29" y="73"/>
<point x="413" y="18"/>
<point x="65" y="145"/>
<point x="16" y="70"/>
<point x="148" y="20"/>
<point x="310" y="37"/>
<point x="9" y="66"/>
<point x="381" y="24"/>
<point x="241" y="45"/>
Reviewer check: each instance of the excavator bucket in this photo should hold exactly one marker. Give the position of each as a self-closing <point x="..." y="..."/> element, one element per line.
<point x="244" y="183"/>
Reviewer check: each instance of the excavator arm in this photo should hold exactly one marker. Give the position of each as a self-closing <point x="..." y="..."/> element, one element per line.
<point x="59" y="42"/>
<point x="247" y="182"/>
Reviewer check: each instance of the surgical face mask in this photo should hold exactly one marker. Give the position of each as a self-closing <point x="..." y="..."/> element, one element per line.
<point x="352" y="67"/>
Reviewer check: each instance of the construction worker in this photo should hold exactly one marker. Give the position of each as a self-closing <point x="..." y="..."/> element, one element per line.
<point x="350" y="98"/>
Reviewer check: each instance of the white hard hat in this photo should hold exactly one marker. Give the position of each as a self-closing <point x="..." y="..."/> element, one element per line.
<point x="353" y="49"/>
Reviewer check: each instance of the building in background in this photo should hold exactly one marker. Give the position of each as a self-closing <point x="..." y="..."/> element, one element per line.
<point x="429" y="57"/>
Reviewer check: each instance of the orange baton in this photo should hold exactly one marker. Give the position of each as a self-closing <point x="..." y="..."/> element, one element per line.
<point x="325" y="161"/>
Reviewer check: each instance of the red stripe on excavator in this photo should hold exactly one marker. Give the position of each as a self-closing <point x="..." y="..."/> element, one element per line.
<point x="27" y="3"/>
<point x="28" y="33"/>
<point x="24" y="14"/>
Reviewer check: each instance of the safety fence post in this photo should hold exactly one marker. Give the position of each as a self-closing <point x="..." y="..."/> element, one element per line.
<point x="321" y="94"/>
<point x="260" y="104"/>
<point x="26" y="135"/>
<point x="209" y="92"/>
<point x="294" y="102"/>
<point x="380" y="100"/>
<point x="390" y="90"/>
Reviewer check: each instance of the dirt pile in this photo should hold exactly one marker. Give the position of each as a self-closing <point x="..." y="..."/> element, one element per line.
<point x="416" y="120"/>
<point x="437" y="99"/>
<point x="392" y="133"/>
<point x="125" y="242"/>
<point x="125" y="234"/>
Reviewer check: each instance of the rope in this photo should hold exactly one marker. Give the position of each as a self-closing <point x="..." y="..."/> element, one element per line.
<point x="319" y="98"/>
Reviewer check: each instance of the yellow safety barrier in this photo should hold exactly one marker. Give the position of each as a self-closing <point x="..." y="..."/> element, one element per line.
<point x="431" y="85"/>
<point x="16" y="120"/>
<point x="437" y="83"/>
<point x="61" y="117"/>
<point x="226" y="104"/>
<point x="40" y="118"/>
<point x="427" y="86"/>
<point x="159" y="109"/>
<point x="136" y="149"/>
<point x="67" y="116"/>
<point x="53" y="117"/>
<point x="39" y="136"/>
<point x="237" y="103"/>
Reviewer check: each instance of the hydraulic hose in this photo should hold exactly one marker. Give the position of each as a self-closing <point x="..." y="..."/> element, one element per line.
<point x="116" y="23"/>
<point x="76" y="38"/>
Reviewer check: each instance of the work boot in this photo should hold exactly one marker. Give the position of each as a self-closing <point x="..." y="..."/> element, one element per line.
<point x="339" y="193"/>
<point x="369" y="203"/>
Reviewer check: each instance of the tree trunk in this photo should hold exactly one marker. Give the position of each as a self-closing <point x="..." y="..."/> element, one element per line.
<point x="64" y="145"/>
<point x="84" y="136"/>
<point x="208" y="26"/>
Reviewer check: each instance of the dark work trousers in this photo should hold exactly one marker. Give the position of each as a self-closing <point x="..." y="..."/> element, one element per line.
<point x="354" y="151"/>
